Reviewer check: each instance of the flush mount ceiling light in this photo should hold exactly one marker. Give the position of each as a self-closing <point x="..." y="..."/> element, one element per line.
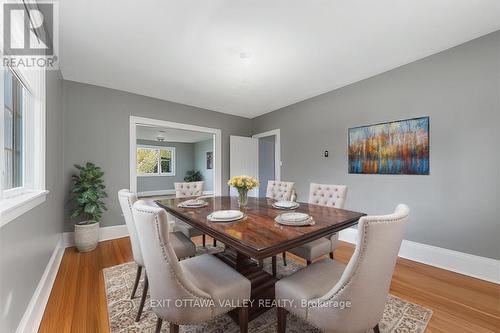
<point x="161" y="136"/>
<point x="246" y="57"/>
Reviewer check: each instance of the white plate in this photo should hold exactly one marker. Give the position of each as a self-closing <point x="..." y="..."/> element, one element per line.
<point x="305" y="222"/>
<point x="293" y="217"/>
<point x="227" y="215"/>
<point x="193" y="203"/>
<point x="285" y="204"/>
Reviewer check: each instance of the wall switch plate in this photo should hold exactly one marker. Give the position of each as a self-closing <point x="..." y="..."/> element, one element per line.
<point x="326" y="153"/>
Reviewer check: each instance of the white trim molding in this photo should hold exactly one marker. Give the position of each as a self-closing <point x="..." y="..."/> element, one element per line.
<point x="487" y="269"/>
<point x="12" y="208"/>
<point x="277" y="150"/>
<point x="32" y="317"/>
<point x="135" y="121"/>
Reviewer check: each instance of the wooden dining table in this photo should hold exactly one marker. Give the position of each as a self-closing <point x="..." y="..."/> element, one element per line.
<point x="257" y="236"/>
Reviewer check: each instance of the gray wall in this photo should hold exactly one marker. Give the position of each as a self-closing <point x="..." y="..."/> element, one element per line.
<point x="183" y="162"/>
<point x="200" y="162"/>
<point x="266" y="162"/>
<point x="457" y="206"/>
<point x="97" y="129"/>
<point x="27" y="243"/>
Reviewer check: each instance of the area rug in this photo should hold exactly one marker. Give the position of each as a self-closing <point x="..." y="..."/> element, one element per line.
<point x="400" y="316"/>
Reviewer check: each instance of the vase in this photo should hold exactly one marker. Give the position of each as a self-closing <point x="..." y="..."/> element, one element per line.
<point x="242" y="197"/>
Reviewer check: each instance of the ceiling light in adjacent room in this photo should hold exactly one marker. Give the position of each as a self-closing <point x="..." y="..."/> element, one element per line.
<point x="161" y="136"/>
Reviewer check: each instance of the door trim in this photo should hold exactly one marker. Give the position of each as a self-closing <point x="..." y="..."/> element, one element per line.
<point x="134" y="121"/>
<point x="277" y="149"/>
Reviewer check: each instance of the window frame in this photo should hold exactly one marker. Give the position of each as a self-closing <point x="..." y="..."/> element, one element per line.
<point x="17" y="201"/>
<point x="159" y="173"/>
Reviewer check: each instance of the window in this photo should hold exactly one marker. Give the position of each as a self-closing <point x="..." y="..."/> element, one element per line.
<point x="22" y="141"/>
<point x="155" y="161"/>
<point x="15" y="97"/>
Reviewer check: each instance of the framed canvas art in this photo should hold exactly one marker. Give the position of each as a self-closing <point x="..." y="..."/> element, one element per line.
<point x="395" y="148"/>
<point x="210" y="163"/>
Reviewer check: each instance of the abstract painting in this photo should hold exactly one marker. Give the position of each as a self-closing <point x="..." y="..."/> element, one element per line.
<point x="397" y="148"/>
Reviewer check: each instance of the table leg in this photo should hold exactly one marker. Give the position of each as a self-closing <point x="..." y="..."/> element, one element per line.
<point x="262" y="292"/>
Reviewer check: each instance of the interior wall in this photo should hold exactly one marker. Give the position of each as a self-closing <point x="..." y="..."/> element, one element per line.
<point x="200" y="162"/>
<point x="97" y="129"/>
<point x="183" y="162"/>
<point x="457" y="205"/>
<point x="267" y="147"/>
<point x="27" y="243"/>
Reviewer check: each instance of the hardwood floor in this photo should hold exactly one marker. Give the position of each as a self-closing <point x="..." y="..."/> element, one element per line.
<point x="460" y="303"/>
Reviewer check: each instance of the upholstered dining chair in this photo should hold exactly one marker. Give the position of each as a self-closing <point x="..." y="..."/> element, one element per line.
<point x="186" y="190"/>
<point x="182" y="245"/>
<point x="319" y="290"/>
<point x="329" y="196"/>
<point x="205" y="281"/>
<point x="280" y="191"/>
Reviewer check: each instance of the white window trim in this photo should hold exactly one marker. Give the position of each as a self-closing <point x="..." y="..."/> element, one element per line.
<point x="15" y="202"/>
<point x="159" y="173"/>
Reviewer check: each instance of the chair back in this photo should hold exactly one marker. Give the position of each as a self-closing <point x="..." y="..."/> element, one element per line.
<point x="280" y="190"/>
<point x="366" y="280"/>
<point x="327" y="195"/>
<point x="167" y="279"/>
<point x="127" y="200"/>
<point x="191" y="189"/>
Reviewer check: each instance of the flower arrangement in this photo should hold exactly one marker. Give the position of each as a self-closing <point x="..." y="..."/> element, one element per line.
<point x="243" y="184"/>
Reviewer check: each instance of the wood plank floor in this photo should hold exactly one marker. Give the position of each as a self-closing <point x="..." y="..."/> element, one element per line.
<point x="460" y="304"/>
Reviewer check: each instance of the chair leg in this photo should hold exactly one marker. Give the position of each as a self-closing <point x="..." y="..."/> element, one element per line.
<point x="204" y="240"/>
<point x="376" y="329"/>
<point x="308" y="262"/>
<point x="158" y="325"/>
<point x="243" y="319"/>
<point x="274" y="265"/>
<point x="215" y="242"/>
<point x="136" y="283"/>
<point x="174" y="328"/>
<point x="331" y="255"/>
<point x="284" y="258"/>
<point x="143" y="298"/>
<point x="282" y="312"/>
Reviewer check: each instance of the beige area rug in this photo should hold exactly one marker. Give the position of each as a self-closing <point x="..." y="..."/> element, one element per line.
<point x="400" y="316"/>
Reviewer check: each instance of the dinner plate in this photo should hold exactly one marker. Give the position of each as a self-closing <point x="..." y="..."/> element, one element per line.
<point x="285" y="204"/>
<point x="294" y="217"/>
<point x="226" y="215"/>
<point x="306" y="222"/>
<point x="193" y="203"/>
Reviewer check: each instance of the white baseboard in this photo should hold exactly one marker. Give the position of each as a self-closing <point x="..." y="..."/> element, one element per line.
<point x="468" y="264"/>
<point x="32" y="317"/>
<point x="105" y="233"/>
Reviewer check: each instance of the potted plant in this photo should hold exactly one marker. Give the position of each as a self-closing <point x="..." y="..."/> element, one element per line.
<point x="193" y="176"/>
<point x="87" y="194"/>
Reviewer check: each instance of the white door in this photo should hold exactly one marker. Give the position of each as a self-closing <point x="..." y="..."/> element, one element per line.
<point x="244" y="160"/>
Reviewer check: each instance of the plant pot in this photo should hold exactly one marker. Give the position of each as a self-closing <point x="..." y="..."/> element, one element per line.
<point x="86" y="236"/>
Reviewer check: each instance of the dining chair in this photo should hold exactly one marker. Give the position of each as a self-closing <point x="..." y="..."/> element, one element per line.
<point x="337" y="298"/>
<point x="206" y="287"/>
<point x="280" y="191"/>
<point x="182" y="245"/>
<point x="329" y="196"/>
<point x="186" y="190"/>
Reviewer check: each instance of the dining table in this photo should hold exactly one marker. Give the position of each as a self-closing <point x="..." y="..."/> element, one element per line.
<point x="258" y="236"/>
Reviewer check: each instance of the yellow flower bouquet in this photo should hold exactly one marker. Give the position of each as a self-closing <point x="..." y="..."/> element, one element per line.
<point x="243" y="184"/>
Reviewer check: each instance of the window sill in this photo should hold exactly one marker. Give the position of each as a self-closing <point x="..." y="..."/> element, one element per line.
<point x="156" y="175"/>
<point x="12" y="208"/>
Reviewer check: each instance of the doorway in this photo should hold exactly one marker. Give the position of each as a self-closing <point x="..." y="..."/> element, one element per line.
<point x="163" y="152"/>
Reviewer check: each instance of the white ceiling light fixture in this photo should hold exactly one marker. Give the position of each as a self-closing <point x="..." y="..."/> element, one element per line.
<point x="161" y="136"/>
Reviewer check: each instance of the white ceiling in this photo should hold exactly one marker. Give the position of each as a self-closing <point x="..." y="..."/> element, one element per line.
<point x="190" y="51"/>
<point x="171" y="135"/>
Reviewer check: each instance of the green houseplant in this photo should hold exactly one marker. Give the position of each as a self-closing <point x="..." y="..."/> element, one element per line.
<point x="87" y="196"/>
<point x="193" y="176"/>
